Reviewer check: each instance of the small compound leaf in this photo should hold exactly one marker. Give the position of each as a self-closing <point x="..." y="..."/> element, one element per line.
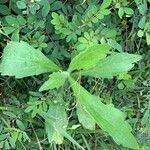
<point x="110" y="119"/>
<point x="113" y="65"/>
<point x="148" y="38"/>
<point x="106" y="4"/>
<point x="20" y="124"/>
<point x="21" y="60"/>
<point x="89" y="58"/>
<point x="46" y="8"/>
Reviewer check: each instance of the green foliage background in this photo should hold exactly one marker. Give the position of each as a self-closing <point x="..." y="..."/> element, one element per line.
<point x="63" y="30"/>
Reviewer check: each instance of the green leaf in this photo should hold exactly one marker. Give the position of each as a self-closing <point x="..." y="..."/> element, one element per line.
<point x="56" y="5"/>
<point x="49" y="129"/>
<point x="56" y="123"/>
<point x="88" y="58"/>
<point x="85" y="118"/>
<point x="106" y="4"/>
<point x="107" y="117"/>
<point x="113" y="65"/>
<point x="9" y="30"/>
<point x="20" y="124"/>
<point x="15" y="136"/>
<point x="55" y="118"/>
<point x="55" y="80"/>
<point x="142" y="6"/>
<point x="115" y="45"/>
<point x="46" y="8"/>
<point x="4" y="10"/>
<point x="21" y="60"/>
<point x="140" y="33"/>
<point x="15" y="35"/>
<point x="148" y="38"/>
<point x="6" y="146"/>
<point x="34" y="7"/>
<point x="3" y="1"/>
<point x="21" y="20"/>
<point x="141" y="23"/>
<point x="121" y="12"/>
<point x="21" y="4"/>
<point x="12" y="21"/>
<point x="11" y="142"/>
<point x="128" y="11"/>
<point x="3" y="137"/>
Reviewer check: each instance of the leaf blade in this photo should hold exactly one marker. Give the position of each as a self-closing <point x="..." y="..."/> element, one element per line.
<point x="55" y="118"/>
<point x="55" y="80"/>
<point x="21" y="60"/>
<point x="85" y="118"/>
<point x="88" y="58"/>
<point x="103" y="116"/>
<point x="113" y="65"/>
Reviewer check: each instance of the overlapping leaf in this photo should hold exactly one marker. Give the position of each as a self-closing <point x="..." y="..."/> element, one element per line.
<point x="88" y="58"/>
<point x="113" y="65"/>
<point x="56" y="123"/>
<point x="21" y="60"/>
<point x="107" y="117"/>
<point x="56" y="117"/>
<point x="55" y="80"/>
<point x="85" y="118"/>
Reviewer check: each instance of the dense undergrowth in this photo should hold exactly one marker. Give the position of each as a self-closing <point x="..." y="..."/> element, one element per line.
<point x="75" y="74"/>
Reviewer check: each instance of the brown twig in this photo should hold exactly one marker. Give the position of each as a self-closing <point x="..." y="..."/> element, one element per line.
<point x="39" y="144"/>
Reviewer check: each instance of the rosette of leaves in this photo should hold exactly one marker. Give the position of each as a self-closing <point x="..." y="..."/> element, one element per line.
<point x="22" y="60"/>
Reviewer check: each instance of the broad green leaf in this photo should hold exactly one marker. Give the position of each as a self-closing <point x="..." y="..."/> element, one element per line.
<point x="52" y="131"/>
<point x="55" y="118"/>
<point x="113" y="65"/>
<point x="55" y="80"/>
<point x="88" y="58"/>
<point x="49" y="128"/>
<point x="85" y="118"/>
<point x="107" y="117"/>
<point x="21" y="60"/>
